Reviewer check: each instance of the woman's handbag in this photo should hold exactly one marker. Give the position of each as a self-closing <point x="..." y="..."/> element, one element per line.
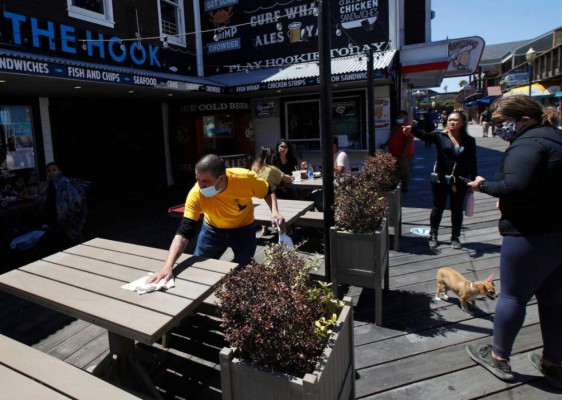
<point x="435" y="177"/>
<point x="469" y="207"/>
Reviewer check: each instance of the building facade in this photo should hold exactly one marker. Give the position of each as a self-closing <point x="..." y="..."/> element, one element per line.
<point x="130" y="94"/>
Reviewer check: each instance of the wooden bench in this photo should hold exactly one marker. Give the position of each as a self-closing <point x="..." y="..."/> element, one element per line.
<point x="311" y="219"/>
<point x="29" y="373"/>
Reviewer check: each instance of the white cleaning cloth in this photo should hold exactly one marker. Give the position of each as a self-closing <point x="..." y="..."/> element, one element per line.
<point x="283" y="237"/>
<point x="141" y="287"/>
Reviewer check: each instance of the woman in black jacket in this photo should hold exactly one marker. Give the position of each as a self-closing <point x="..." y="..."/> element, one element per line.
<point x="528" y="185"/>
<point x="456" y="155"/>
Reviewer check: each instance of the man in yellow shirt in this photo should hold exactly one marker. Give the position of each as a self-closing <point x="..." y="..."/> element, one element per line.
<point x="224" y="196"/>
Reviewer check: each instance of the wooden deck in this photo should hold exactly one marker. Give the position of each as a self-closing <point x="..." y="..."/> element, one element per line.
<point x="419" y="353"/>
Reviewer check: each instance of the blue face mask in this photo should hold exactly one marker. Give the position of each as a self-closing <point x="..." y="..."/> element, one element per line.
<point x="399" y="120"/>
<point x="507" y="131"/>
<point x="211" y="190"/>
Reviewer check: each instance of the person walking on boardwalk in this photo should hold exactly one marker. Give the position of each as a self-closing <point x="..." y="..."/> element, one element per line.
<point x="456" y="156"/>
<point x="401" y="145"/>
<point x="224" y="196"/>
<point x="528" y="186"/>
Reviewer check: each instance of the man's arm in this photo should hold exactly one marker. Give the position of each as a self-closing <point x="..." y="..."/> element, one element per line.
<point x="176" y="249"/>
<point x="271" y="200"/>
<point x="185" y="233"/>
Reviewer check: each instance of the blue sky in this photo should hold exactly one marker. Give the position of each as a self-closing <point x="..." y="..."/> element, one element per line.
<point x="496" y="21"/>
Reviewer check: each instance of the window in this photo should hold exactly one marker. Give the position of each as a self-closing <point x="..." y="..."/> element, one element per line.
<point x="18" y="174"/>
<point x="16" y="139"/>
<point x="172" y="22"/>
<point x="217" y="126"/>
<point x="345" y="122"/>
<point x="302" y="123"/>
<point x="96" y="11"/>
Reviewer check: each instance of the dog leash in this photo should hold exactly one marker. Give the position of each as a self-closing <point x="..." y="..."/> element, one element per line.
<point x="489" y="279"/>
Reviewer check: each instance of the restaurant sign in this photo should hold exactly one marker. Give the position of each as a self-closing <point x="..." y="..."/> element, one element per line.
<point x="464" y="56"/>
<point x="245" y="34"/>
<point x="197" y="108"/>
<point x="309" y="81"/>
<point x="59" y="70"/>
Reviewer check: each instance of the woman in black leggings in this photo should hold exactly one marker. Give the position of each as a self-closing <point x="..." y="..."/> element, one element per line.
<point x="528" y="184"/>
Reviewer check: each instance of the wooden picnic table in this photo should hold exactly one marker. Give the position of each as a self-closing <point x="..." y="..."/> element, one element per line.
<point x="29" y="373"/>
<point x="308" y="184"/>
<point x="85" y="282"/>
<point x="291" y="210"/>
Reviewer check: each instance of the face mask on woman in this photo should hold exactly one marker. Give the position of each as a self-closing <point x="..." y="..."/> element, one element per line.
<point x="507" y="131"/>
<point x="400" y="121"/>
<point x="211" y="190"/>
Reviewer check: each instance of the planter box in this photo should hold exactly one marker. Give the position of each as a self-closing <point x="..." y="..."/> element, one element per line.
<point x="334" y="377"/>
<point x="361" y="260"/>
<point x="394" y="200"/>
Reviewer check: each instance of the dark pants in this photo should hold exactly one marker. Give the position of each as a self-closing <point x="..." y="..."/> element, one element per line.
<point x="404" y="165"/>
<point x="456" y="200"/>
<point x="530" y="265"/>
<point x="212" y="242"/>
<point x="317" y="196"/>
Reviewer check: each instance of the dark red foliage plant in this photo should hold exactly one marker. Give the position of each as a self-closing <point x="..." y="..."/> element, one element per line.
<point x="380" y="172"/>
<point x="271" y="311"/>
<point x="359" y="205"/>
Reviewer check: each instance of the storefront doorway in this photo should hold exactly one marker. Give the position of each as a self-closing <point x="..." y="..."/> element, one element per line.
<point x="116" y="145"/>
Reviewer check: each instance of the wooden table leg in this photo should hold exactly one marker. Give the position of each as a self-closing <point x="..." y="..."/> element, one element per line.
<point x="123" y="366"/>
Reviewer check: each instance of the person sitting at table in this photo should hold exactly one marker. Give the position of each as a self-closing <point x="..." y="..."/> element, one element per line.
<point x="224" y="197"/>
<point x="341" y="161"/>
<point x="285" y="160"/>
<point x="64" y="211"/>
<point x="263" y="167"/>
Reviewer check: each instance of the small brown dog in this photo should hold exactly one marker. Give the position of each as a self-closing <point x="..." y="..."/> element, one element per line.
<point x="450" y="279"/>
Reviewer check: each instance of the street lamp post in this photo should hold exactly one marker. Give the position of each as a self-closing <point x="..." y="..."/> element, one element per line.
<point x="530" y="56"/>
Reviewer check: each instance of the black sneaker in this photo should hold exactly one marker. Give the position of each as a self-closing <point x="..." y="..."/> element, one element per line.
<point x="553" y="374"/>
<point x="456" y="244"/>
<point x="483" y="356"/>
<point x="432" y="242"/>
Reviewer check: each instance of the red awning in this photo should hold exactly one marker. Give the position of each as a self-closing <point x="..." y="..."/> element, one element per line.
<point x="432" y="66"/>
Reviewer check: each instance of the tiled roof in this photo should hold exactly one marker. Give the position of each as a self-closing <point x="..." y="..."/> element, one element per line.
<point x="495" y="52"/>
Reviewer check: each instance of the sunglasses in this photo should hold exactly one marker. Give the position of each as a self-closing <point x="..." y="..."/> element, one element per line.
<point x="499" y="124"/>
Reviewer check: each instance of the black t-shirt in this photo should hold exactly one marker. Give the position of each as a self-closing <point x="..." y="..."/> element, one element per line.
<point x="288" y="167"/>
